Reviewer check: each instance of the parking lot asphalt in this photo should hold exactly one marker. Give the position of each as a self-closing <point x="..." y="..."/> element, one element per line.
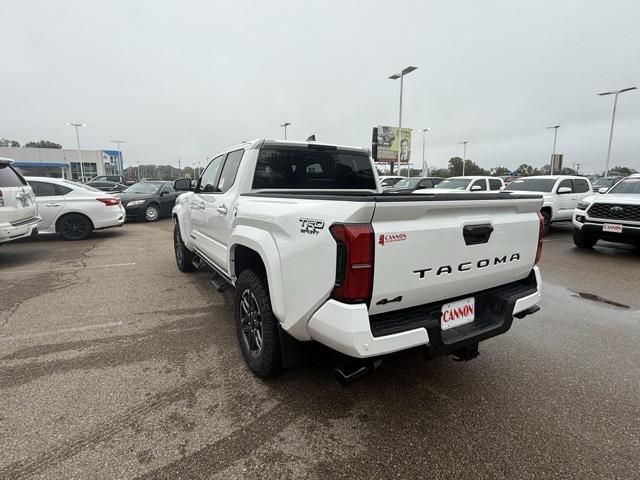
<point x="115" y="365"/>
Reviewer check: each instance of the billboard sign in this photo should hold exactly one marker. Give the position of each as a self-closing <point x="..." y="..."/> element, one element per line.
<point x="385" y="143"/>
<point x="556" y="160"/>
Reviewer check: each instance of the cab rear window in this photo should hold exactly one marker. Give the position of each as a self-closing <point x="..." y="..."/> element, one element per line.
<point x="10" y="178"/>
<point x="301" y="169"/>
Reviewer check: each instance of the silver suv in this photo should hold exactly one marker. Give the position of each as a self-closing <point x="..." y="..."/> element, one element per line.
<point x="18" y="209"/>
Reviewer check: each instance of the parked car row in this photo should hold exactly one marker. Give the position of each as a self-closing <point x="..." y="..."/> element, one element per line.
<point x="32" y="205"/>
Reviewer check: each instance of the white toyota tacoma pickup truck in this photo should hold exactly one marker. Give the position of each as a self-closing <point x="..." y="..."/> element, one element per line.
<point x="317" y="252"/>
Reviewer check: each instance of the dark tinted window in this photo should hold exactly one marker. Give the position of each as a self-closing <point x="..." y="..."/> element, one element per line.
<point x="207" y="182"/>
<point x="494" y="184"/>
<point x="229" y="171"/>
<point x="565" y="183"/>
<point x="532" y="185"/>
<point x="313" y="169"/>
<point x="580" y="186"/>
<point x="9" y="177"/>
<point x="43" y="189"/>
<point x="481" y="183"/>
<point x="425" y="184"/>
<point x="113" y="179"/>
<point x="168" y="188"/>
<point x="60" y="190"/>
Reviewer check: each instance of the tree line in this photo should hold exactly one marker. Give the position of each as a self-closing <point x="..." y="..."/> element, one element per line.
<point x="5" y="142"/>
<point x="454" y="169"/>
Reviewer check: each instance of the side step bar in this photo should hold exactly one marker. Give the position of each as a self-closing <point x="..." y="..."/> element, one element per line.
<point x="218" y="279"/>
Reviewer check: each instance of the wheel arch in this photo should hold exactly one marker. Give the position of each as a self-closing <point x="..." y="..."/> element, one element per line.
<point x="255" y="249"/>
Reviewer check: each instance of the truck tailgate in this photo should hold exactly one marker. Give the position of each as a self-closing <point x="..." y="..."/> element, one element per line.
<point x="427" y="251"/>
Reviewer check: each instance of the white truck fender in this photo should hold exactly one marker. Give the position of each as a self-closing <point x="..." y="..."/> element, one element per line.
<point x="263" y="243"/>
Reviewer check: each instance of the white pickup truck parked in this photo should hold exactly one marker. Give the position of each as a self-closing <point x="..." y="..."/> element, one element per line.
<point x="561" y="194"/>
<point x="316" y="251"/>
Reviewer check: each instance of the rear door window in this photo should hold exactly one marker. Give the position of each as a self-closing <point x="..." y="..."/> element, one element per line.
<point x="43" y="189"/>
<point x="495" y="184"/>
<point x="10" y="178"/>
<point x="304" y="168"/>
<point x="580" y="186"/>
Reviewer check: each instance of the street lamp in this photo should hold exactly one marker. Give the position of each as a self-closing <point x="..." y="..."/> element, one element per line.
<point x="121" y="166"/>
<point x="76" y="125"/>
<point x="424" y="146"/>
<point x="555" y="137"/>
<point x="285" y="125"/>
<point x="464" y="154"/>
<point x="613" y="119"/>
<point x="400" y="76"/>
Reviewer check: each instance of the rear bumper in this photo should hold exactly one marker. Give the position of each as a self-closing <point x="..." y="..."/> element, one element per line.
<point x="114" y="218"/>
<point x="10" y="232"/>
<point x="349" y="329"/>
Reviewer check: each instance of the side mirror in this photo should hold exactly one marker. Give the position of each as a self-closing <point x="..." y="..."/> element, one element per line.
<point x="182" y="185"/>
<point x="603" y="190"/>
<point x="564" y="190"/>
<point x="475" y="188"/>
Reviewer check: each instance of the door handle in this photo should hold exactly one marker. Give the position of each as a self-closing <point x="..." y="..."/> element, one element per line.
<point x="222" y="209"/>
<point x="198" y="205"/>
<point x="52" y="205"/>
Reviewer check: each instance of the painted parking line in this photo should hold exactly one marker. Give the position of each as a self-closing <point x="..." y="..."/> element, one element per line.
<point x="60" y="331"/>
<point x="110" y="265"/>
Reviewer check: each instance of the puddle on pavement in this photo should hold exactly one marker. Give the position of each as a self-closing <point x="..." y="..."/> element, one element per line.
<point x="598" y="298"/>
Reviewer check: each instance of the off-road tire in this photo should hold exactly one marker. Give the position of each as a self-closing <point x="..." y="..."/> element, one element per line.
<point x="268" y="360"/>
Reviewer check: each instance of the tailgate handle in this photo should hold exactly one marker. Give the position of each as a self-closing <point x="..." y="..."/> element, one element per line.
<point x="476" y="234"/>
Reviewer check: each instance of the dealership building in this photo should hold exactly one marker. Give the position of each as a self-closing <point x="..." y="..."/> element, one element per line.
<point x="64" y="163"/>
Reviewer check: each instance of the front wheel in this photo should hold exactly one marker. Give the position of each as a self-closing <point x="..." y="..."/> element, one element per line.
<point x="582" y="240"/>
<point x="152" y="213"/>
<point x="547" y="222"/>
<point x="256" y="326"/>
<point x="184" y="256"/>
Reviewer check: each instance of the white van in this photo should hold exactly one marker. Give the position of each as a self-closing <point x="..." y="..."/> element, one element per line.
<point x="18" y="210"/>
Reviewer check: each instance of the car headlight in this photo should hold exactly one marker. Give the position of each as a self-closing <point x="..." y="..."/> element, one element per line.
<point x="583" y="205"/>
<point x="133" y="203"/>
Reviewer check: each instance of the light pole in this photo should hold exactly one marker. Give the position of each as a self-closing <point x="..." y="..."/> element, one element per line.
<point x="285" y="125"/>
<point x="76" y="125"/>
<point x="555" y="137"/>
<point x="613" y="119"/>
<point x="424" y="146"/>
<point x="121" y="166"/>
<point x="464" y="154"/>
<point x="400" y="76"/>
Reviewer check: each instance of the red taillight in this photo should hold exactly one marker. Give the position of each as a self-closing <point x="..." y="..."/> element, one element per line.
<point x="540" y="237"/>
<point x="109" y="201"/>
<point x="354" y="264"/>
<point x="1" y="199"/>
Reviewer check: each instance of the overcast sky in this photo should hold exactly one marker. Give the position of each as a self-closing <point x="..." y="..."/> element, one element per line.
<point x="187" y="78"/>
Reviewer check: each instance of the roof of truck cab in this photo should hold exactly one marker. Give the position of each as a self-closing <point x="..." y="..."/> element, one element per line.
<point x="268" y="143"/>
<point x="6" y="161"/>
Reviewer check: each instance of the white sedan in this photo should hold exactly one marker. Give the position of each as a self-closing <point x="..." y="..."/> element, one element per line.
<point x="72" y="209"/>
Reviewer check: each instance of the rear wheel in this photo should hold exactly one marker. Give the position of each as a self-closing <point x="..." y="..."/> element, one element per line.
<point x="582" y="240"/>
<point x="152" y="213"/>
<point x="547" y="221"/>
<point x="74" y="226"/>
<point x="256" y="326"/>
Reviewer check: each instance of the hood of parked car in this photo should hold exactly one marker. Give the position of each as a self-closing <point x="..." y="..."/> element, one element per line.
<point x="632" y="198"/>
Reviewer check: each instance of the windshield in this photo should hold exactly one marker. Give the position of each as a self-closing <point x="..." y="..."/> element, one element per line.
<point x="532" y="184"/>
<point x="454" y="183"/>
<point x="604" y="182"/>
<point x="81" y="185"/>
<point x="628" y="185"/>
<point x="407" y="183"/>
<point x="143" y="187"/>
